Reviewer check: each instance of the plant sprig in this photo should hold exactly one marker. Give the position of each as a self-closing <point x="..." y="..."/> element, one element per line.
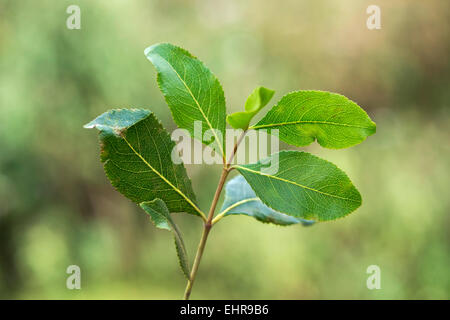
<point x="136" y="152"/>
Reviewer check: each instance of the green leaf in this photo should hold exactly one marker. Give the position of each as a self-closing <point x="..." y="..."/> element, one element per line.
<point x="241" y="199"/>
<point x="303" y="116"/>
<point x="304" y="186"/>
<point x="136" y="152"/>
<point x="257" y="100"/>
<point x="192" y="92"/>
<point x="160" y="216"/>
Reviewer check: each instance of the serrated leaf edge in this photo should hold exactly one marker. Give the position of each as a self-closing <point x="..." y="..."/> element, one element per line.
<point x="158" y="81"/>
<point x="180" y="248"/>
<point x="373" y="128"/>
<point x="316" y="220"/>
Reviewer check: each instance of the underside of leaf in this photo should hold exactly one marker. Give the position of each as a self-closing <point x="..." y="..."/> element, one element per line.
<point x="241" y="199"/>
<point x="257" y="100"/>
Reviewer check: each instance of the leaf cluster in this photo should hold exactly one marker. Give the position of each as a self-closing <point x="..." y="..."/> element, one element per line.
<point x="136" y="150"/>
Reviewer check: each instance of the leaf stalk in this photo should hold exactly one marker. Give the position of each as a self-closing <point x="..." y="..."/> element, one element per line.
<point x="209" y="221"/>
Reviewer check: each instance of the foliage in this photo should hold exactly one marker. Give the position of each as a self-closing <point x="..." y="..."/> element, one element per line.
<point x="304" y="186"/>
<point x="192" y="92"/>
<point x="136" y="151"/>
<point x="257" y="100"/>
<point x="58" y="209"/>
<point x="332" y="119"/>
<point x="160" y="216"/>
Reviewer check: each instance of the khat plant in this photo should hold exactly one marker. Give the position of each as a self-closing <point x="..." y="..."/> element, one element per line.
<point x="136" y="152"/>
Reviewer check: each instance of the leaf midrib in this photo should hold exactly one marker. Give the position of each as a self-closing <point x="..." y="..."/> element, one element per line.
<point x="306" y="121"/>
<point x="165" y="180"/>
<point x="198" y="105"/>
<point x="237" y="204"/>
<point x="297" y="184"/>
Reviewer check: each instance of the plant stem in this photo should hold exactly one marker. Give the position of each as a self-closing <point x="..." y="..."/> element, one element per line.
<point x="198" y="257"/>
<point x="206" y="228"/>
<point x="208" y="223"/>
<point x="236" y="145"/>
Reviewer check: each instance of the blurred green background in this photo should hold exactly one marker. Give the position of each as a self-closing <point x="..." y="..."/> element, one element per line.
<point x="58" y="209"/>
